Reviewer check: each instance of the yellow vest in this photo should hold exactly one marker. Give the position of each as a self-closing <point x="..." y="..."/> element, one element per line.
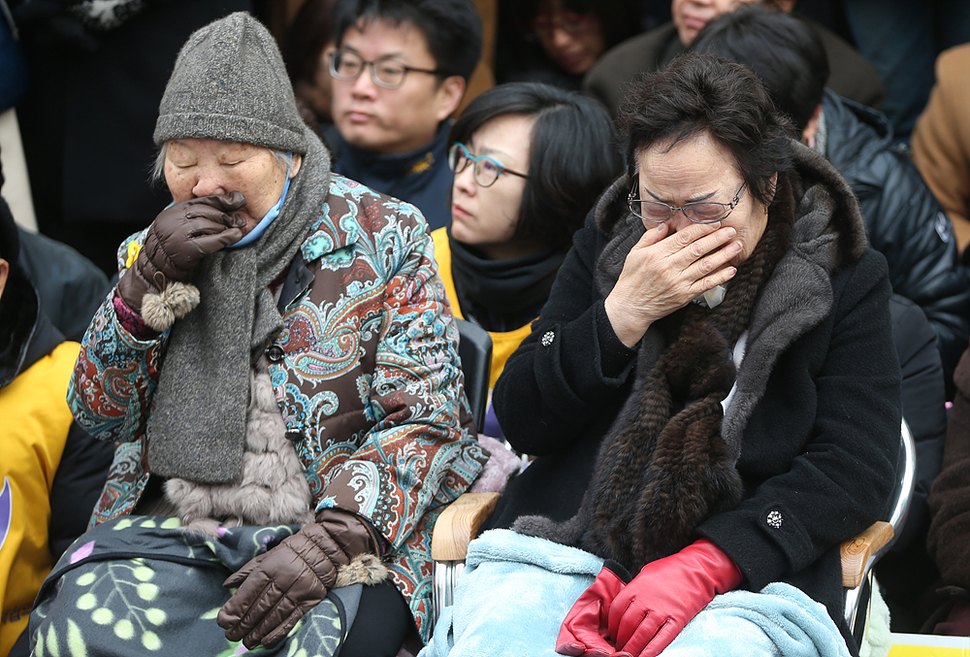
<point x="503" y="344"/>
<point x="34" y="423"/>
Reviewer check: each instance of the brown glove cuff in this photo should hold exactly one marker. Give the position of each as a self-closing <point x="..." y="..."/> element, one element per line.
<point x="133" y="286"/>
<point x="334" y="542"/>
<point x="351" y="533"/>
<point x="318" y="551"/>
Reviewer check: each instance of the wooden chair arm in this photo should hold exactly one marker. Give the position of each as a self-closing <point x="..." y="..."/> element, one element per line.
<point x="857" y="551"/>
<point x="458" y="524"/>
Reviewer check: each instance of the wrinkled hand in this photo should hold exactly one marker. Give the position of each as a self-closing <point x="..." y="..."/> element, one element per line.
<point x="663" y="273"/>
<point x="658" y="603"/>
<point x="585" y="631"/>
<point x="277" y="588"/>
<point x="177" y="241"/>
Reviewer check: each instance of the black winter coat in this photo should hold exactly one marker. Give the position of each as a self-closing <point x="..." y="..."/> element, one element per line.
<point x="817" y="405"/>
<point x="903" y="219"/>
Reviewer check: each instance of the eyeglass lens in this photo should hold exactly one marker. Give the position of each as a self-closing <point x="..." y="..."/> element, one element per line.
<point x="486" y="170"/>
<point x="703" y="212"/>
<point x="348" y="66"/>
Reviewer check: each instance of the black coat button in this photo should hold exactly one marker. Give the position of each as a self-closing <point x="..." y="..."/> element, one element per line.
<point x="274" y="353"/>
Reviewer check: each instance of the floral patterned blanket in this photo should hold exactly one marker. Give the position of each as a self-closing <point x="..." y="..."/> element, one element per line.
<point x="139" y="585"/>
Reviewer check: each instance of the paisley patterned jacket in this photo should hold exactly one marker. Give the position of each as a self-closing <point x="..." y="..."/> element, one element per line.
<point x="365" y="373"/>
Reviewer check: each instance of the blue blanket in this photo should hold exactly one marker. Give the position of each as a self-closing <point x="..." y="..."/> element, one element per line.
<point x="516" y="591"/>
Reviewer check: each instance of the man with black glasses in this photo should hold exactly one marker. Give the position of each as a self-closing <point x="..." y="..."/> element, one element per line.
<point x="400" y="70"/>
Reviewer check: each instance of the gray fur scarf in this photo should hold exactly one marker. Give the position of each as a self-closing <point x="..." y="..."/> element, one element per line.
<point x="273" y="489"/>
<point x="664" y="467"/>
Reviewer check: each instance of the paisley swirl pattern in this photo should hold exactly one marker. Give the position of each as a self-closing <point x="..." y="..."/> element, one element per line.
<point x="368" y="383"/>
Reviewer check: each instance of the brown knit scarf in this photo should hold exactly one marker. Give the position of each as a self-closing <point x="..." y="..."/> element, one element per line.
<point x="664" y="467"/>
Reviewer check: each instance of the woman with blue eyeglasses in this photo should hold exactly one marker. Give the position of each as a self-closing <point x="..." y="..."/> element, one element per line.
<point x="710" y="394"/>
<point x="529" y="161"/>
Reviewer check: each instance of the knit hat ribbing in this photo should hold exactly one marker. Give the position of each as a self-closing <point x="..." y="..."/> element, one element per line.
<point x="230" y="83"/>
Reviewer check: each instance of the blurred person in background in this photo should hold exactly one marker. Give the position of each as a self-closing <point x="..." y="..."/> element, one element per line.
<point x="400" y="70"/>
<point x="850" y="76"/>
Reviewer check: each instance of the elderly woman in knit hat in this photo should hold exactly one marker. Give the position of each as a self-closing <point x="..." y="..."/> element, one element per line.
<point x="279" y="374"/>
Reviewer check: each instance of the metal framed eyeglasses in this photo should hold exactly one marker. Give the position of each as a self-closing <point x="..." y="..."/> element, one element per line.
<point x="387" y="73"/>
<point x="700" y="212"/>
<point x="486" y="171"/>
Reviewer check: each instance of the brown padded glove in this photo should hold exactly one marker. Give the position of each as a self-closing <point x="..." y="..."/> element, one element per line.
<point x="178" y="239"/>
<point x="277" y="588"/>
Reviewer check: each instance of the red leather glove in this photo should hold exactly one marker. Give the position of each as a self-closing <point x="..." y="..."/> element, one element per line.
<point x="586" y="627"/>
<point x="277" y="588"/>
<point x="655" y="606"/>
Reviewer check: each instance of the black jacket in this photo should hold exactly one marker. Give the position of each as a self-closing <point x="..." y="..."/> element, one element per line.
<point x="903" y="220"/>
<point x="71" y="288"/>
<point x="816" y="407"/>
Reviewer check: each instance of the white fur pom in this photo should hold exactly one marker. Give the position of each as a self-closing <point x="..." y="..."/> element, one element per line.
<point x="182" y="298"/>
<point x="363" y="569"/>
<point x="161" y="309"/>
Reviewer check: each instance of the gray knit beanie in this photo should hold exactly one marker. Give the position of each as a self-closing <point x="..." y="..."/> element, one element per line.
<point x="229" y="83"/>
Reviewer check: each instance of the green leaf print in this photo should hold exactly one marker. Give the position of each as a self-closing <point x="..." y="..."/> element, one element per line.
<point x="119" y="595"/>
<point x="75" y="641"/>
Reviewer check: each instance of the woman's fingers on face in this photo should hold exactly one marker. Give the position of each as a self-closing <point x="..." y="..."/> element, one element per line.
<point x="653" y="234"/>
<point x="715" y="259"/>
<point x="687" y="236"/>
<point x="708" y="243"/>
<point x="719" y="276"/>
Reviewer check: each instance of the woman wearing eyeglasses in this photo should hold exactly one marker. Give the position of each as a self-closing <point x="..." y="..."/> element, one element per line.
<point x="711" y="390"/>
<point x="529" y="161"/>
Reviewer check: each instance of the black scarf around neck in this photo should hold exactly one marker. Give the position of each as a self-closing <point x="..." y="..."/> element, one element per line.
<point x="503" y="295"/>
<point x="197" y="427"/>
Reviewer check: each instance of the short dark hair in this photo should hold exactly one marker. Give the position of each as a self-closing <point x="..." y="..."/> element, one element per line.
<point x="782" y="50"/>
<point x="452" y="28"/>
<point x="573" y="155"/>
<point x="698" y="93"/>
